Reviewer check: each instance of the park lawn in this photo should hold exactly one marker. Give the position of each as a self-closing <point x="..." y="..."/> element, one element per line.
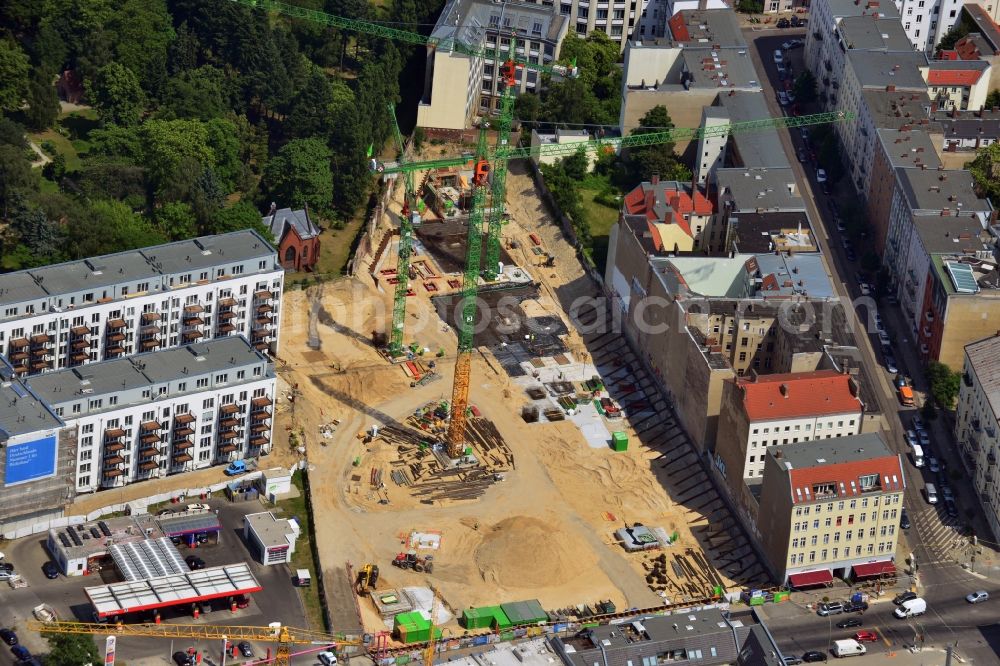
<point x="63" y="146"/>
<point x="601" y="219"/>
<point x="302" y="558"/>
<point x="335" y="248"/>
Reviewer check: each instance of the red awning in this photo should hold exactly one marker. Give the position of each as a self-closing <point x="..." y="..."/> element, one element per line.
<point x="872" y="569"/>
<point x="810" y="578"/>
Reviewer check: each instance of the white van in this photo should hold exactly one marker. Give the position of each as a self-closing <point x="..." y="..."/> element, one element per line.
<point x="918" y="455"/>
<point x="931" y="493"/>
<point x="911" y="608"/>
<point x="848" y="648"/>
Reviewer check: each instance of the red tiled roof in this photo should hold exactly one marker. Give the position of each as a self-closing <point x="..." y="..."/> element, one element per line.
<point x="674" y="205"/>
<point x="952" y="77"/>
<point x="845" y="477"/>
<point x="804" y="394"/>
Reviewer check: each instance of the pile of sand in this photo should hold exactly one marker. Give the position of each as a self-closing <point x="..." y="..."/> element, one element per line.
<point x="527" y="552"/>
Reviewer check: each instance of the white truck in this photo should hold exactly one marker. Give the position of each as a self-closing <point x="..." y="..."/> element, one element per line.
<point x="911" y="608"/>
<point x="848" y="648"/>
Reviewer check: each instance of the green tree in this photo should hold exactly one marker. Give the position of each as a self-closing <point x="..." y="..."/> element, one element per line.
<point x="116" y="94"/>
<point x="43" y="102"/>
<point x="176" y="220"/>
<point x="309" y="114"/>
<point x="993" y="99"/>
<point x="42" y="236"/>
<point x="167" y="144"/>
<point x="351" y="180"/>
<point x="55" y="169"/>
<point x="945" y="384"/>
<point x="14" y="70"/>
<point x="750" y="6"/>
<point x="141" y="31"/>
<point x="227" y="151"/>
<point x="201" y="93"/>
<point x="15" y="176"/>
<point x="300" y="174"/>
<point x="644" y="161"/>
<point x="111" y="226"/>
<point x="239" y="216"/>
<point x="12" y="134"/>
<point x="71" y="650"/>
<point x="805" y="88"/>
<point x="985" y="171"/>
<point x="527" y="107"/>
<point x="575" y="165"/>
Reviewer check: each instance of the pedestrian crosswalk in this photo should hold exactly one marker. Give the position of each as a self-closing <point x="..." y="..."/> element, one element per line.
<point x="937" y="531"/>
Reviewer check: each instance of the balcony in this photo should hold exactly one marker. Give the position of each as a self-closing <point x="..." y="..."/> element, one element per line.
<point x="259" y="428"/>
<point x="190" y="336"/>
<point x="40" y="364"/>
<point x="193" y="309"/>
<point x="112" y="473"/>
<point x="115" y="337"/>
<point x="226" y="315"/>
<point x="148" y="466"/>
<point x="151" y="425"/>
<point x="258" y="441"/>
<point x="182" y="444"/>
<point x="226" y="329"/>
<point x="79" y="331"/>
<point x="194" y="321"/>
<point x="150" y="317"/>
<point x="114" y="433"/>
<point x="228" y="302"/>
<point x="149" y="344"/>
<point x="229" y="422"/>
<point x="149" y="439"/>
<point x="113" y="460"/>
<point x="976" y="425"/>
<point x="18" y="355"/>
<point x="181" y="458"/>
<point x="184" y="418"/>
<point x="227" y="448"/>
<point x="116" y="324"/>
<point x="79" y="343"/>
<point x="149" y="452"/>
<point x="263" y="295"/>
<point x="40" y="339"/>
<point x="231" y="408"/>
<point x="183" y="431"/>
<point x="231" y="434"/>
<point x="19" y="343"/>
<point x="113" y="447"/>
<point x="265" y="308"/>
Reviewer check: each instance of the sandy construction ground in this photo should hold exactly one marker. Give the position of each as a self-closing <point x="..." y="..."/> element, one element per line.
<point x="543" y="532"/>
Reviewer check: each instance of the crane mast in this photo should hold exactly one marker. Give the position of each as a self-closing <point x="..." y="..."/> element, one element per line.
<point x="508" y="75"/>
<point x="406" y="218"/>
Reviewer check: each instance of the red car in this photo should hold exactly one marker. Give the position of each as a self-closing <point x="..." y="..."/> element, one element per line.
<point x="866" y="637"/>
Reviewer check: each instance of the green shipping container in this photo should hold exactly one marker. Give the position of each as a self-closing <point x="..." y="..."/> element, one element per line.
<point x="525" y="612"/>
<point x="487" y="617"/>
<point x="619" y="441"/>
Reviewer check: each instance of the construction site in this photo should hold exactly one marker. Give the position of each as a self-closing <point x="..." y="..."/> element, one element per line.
<point x="566" y="440"/>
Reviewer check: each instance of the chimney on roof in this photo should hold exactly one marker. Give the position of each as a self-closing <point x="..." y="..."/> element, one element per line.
<point x="777" y="454"/>
<point x="784" y="389"/>
<point x="890" y="88"/>
<point x="655" y="179"/>
<point x="933" y="107"/>
<point x="274" y="208"/>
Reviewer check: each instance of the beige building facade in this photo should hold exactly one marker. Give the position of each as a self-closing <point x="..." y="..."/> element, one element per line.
<point x="978" y="422"/>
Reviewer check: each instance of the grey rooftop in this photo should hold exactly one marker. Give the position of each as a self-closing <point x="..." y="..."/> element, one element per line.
<point x="867" y="34"/>
<point x="935" y="190"/>
<point x="881" y="69"/>
<point x="819" y="453"/>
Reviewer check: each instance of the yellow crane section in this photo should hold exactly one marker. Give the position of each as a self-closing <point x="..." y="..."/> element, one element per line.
<point x="284" y="636"/>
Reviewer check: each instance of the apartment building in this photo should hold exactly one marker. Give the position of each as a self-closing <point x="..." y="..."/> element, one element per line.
<point x="559" y="137"/>
<point x="830" y="509"/>
<point x="823" y="44"/>
<point x="678" y="216"/>
<point x="702" y="56"/>
<point x="757" y="233"/>
<point x="164" y="412"/>
<point x="616" y="18"/>
<point x="881" y="90"/>
<point x="459" y="87"/>
<point x="36" y="452"/>
<point x="860" y="33"/>
<point x="113" y="306"/>
<point x="906" y="148"/>
<point x="935" y="215"/>
<point x="978" y="422"/>
<point x="957" y="135"/>
<point x="958" y="84"/>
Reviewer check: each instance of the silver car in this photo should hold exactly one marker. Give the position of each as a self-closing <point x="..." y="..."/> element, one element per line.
<point x="977" y="597"/>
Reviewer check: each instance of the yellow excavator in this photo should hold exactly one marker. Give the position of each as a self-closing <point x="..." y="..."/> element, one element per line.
<point x="367" y="579"/>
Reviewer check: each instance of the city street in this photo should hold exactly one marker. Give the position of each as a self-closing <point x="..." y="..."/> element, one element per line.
<point x="933" y="536"/>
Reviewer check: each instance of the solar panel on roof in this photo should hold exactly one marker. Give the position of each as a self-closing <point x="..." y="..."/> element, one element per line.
<point x="104" y="528"/>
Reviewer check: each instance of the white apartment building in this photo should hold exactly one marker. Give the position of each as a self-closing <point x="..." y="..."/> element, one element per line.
<point x="458" y="87"/>
<point x="71" y="314"/>
<point x="978" y="422"/>
<point x="164" y="412"/>
<point x="822" y="41"/>
<point x="771" y="410"/>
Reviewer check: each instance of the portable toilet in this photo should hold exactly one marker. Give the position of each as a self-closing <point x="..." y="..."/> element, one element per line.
<point x="619" y="441"/>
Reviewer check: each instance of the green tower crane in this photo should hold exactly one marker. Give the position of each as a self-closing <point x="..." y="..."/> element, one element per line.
<point x="409" y="216"/>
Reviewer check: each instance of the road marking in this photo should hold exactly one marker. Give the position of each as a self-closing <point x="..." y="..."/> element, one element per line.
<point x="885" y="640"/>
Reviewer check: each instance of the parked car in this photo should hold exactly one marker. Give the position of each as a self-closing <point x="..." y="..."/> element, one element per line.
<point x="782" y="98"/>
<point x="977" y="597"/>
<point x="792" y="660"/>
<point x="924" y="437"/>
<point x="911" y="437"/>
<point x="784" y="23"/>
<point x="918" y="424"/>
<point x="851" y="257"/>
<point x="865" y="290"/>
<point x="194" y="562"/>
<point x="245" y="649"/>
<point x="8" y="636"/>
<point x="6" y="566"/>
<point x="21" y="653"/>
<point x="778" y="57"/>
<point x="850" y="622"/>
<point x="796" y="21"/>
<point x="327" y="658"/>
<point x="242" y="601"/>
<point x="184" y="659"/>
<point x="830" y="608"/>
<point x="820" y="175"/>
<point x="6" y="574"/>
<point x="814" y="655"/>
<point x="866" y="637"/>
<point x="904" y="520"/>
<point x="904" y="596"/>
<point x="198" y="508"/>
<point x="947" y="493"/>
<point x="50" y="570"/>
<point x="801" y="154"/>
<point x="933" y="465"/>
<point x="890" y="363"/>
<point x="950" y="508"/>
<point x="883" y="338"/>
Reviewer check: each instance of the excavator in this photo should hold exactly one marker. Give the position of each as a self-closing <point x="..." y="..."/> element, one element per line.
<point x="367" y="579"/>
